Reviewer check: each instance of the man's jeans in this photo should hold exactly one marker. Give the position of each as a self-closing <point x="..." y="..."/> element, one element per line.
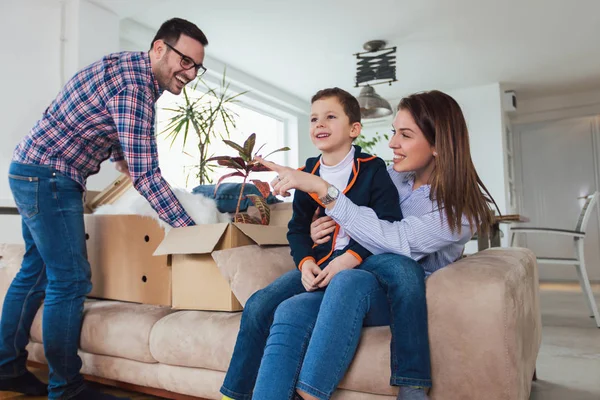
<point x="55" y="266"/>
<point x="402" y="284"/>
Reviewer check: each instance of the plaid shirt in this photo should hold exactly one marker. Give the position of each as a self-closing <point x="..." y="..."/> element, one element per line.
<point x="106" y="110"/>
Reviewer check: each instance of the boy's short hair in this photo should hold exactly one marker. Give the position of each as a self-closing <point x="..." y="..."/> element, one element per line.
<point x="171" y="29"/>
<point x="348" y="102"/>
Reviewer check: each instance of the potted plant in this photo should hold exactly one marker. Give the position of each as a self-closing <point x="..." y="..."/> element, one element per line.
<point x="207" y="114"/>
<point x="243" y="165"/>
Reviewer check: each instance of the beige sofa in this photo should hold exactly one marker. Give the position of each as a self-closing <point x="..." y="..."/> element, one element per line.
<point x="484" y="319"/>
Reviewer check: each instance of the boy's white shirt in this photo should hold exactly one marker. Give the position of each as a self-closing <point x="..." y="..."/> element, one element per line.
<point x="338" y="176"/>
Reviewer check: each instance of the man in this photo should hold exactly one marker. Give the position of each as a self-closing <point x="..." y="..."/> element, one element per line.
<point x="105" y="110"/>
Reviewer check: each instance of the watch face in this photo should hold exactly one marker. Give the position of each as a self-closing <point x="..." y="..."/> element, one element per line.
<point x="332" y="191"/>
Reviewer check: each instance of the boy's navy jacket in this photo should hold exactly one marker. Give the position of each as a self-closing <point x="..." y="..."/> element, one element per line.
<point x="369" y="185"/>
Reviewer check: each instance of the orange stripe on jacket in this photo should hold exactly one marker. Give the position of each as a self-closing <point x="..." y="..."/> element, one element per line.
<point x="335" y="233"/>
<point x="304" y="260"/>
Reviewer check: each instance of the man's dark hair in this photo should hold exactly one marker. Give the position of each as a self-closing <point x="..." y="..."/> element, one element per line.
<point x="348" y="102"/>
<point x="170" y="31"/>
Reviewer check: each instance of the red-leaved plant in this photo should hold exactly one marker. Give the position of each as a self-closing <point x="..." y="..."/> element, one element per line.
<point x="244" y="165"/>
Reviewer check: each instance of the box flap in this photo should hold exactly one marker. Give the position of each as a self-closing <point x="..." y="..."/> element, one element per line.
<point x="109" y="194"/>
<point x="265" y="234"/>
<point x="198" y="239"/>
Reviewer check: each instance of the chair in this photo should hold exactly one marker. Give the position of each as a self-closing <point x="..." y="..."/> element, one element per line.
<point x="578" y="236"/>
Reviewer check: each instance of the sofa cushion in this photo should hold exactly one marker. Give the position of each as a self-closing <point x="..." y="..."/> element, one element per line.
<point x="205" y="339"/>
<point x="201" y="339"/>
<point x="251" y="268"/>
<point x="114" y="328"/>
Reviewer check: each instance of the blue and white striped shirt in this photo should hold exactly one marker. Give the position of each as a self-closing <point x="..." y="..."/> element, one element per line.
<point x="423" y="234"/>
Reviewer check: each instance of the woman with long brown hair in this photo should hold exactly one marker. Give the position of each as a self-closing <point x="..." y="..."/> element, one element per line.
<point x="443" y="202"/>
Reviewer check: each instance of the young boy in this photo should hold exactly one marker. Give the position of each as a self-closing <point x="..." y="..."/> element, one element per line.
<point x="335" y="124"/>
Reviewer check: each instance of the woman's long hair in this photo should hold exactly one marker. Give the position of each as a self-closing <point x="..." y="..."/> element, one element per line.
<point x="454" y="182"/>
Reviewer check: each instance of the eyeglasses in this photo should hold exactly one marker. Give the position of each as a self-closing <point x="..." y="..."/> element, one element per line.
<point x="187" y="63"/>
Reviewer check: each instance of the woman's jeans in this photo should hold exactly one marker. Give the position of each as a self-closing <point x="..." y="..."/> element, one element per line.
<point x="55" y="266"/>
<point x="352" y="296"/>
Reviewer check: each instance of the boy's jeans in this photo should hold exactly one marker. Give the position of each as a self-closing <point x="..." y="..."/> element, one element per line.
<point x="55" y="266"/>
<point x="315" y="335"/>
<point x="401" y="278"/>
<point x="254" y="331"/>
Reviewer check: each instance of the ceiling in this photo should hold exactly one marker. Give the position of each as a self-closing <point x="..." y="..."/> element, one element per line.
<point x="536" y="47"/>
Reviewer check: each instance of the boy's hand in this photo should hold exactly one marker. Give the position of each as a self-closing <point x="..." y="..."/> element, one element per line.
<point x="340" y="263"/>
<point x="310" y="270"/>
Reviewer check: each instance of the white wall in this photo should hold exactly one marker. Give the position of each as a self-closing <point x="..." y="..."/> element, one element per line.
<point x="30" y="72"/>
<point x="33" y="72"/>
<point x="548" y="108"/>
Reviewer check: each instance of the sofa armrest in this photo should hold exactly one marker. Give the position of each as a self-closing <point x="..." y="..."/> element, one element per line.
<point x="485" y="325"/>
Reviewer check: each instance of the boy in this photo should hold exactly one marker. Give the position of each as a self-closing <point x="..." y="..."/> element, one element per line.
<point x="335" y="124"/>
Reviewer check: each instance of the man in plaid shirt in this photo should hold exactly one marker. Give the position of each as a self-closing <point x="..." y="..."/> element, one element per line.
<point x="105" y="110"/>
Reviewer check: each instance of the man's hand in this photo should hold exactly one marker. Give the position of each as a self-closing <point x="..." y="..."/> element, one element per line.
<point x="340" y="263"/>
<point x="310" y="270"/>
<point x="122" y="167"/>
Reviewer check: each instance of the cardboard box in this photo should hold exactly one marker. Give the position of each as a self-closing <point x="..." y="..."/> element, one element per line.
<point x="133" y="260"/>
<point x="197" y="283"/>
<point x="120" y="250"/>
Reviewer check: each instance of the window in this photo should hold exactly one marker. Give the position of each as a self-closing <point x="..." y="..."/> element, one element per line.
<point x="177" y="163"/>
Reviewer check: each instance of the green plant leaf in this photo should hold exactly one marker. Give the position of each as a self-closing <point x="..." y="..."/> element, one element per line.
<point x="249" y="146"/>
<point x="234" y="145"/>
<point x="278" y="150"/>
<point x="257" y="153"/>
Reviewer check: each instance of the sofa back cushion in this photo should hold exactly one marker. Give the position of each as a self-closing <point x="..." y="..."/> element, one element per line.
<point x="251" y="268"/>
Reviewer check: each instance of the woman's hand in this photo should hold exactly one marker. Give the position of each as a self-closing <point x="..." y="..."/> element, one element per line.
<point x="310" y="270"/>
<point x="340" y="263"/>
<point x="321" y="228"/>
<point x="289" y="178"/>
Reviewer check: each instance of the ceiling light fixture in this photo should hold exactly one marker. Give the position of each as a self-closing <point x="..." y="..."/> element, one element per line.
<point x="375" y="66"/>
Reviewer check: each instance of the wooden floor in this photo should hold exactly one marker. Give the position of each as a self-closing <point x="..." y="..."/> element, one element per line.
<point x="43" y="375"/>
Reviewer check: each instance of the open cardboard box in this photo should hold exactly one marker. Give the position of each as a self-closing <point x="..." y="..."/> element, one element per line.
<point x="133" y="260"/>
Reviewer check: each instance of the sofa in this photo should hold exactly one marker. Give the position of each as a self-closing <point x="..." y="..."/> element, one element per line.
<point x="484" y="327"/>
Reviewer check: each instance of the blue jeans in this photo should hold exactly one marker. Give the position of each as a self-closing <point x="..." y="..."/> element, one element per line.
<point x="254" y="330"/>
<point x="55" y="266"/>
<point x="314" y="336"/>
<point x="402" y="280"/>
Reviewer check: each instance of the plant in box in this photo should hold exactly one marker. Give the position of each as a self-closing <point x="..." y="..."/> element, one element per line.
<point x="243" y="165"/>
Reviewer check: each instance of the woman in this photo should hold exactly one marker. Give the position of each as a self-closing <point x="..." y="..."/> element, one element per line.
<point x="443" y="203"/>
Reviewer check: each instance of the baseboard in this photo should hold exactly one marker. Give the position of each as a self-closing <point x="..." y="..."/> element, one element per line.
<point x="130" y="387"/>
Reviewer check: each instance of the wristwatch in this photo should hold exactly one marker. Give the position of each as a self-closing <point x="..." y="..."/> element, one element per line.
<point x="331" y="196"/>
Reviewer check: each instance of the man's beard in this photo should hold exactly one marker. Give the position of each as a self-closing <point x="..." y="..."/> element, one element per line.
<point x="160" y="76"/>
